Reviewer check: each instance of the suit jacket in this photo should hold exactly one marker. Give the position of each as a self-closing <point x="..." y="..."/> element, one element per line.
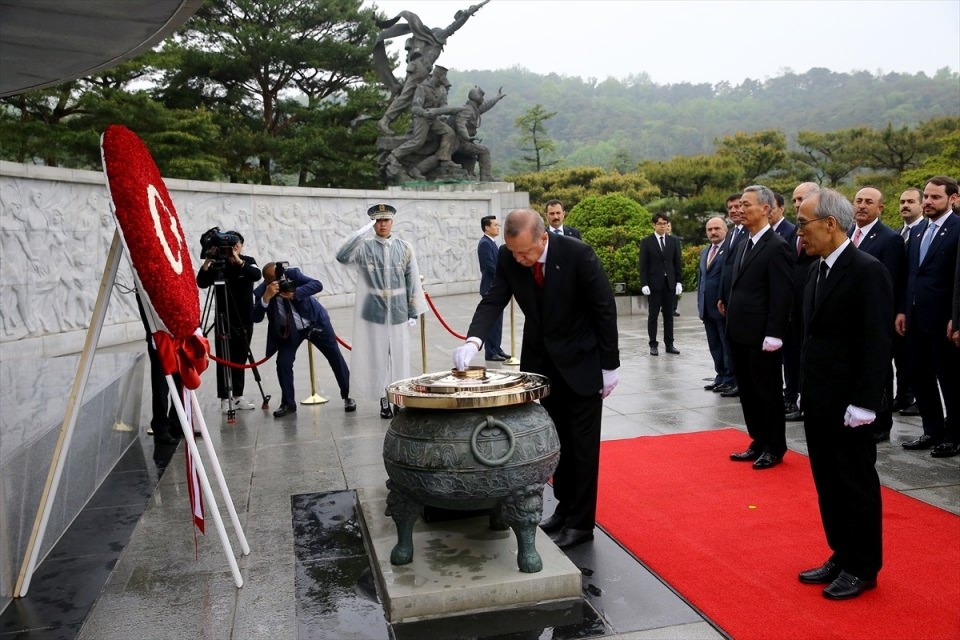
<point x="956" y="293"/>
<point x="303" y="303"/>
<point x="574" y="327"/>
<point x="886" y="245"/>
<point x="487" y="255"/>
<point x="760" y="291"/>
<point x="709" y="283"/>
<point x="570" y="232"/>
<point x="847" y="342"/>
<point x="729" y="248"/>
<point x="788" y="231"/>
<point x="654" y="262"/>
<point x="927" y="299"/>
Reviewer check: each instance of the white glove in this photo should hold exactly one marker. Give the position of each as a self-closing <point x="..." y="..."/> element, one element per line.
<point x="772" y="344"/>
<point x="412" y="322"/>
<point x="366" y="227"/>
<point x="463" y="354"/>
<point x="855" y="416"/>
<point x="798" y="401"/>
<point x="645" y="290"/>
<point x="610" y="380"/>
<point x="679" y="288"/>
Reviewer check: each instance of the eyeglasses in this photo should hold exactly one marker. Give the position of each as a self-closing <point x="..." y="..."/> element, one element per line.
<point x="803" y="223"/>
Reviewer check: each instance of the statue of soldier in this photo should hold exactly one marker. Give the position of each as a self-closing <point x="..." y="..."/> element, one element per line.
<point x="423" y="48"/>
<point x="466" y="123"/>
<point x="429" y="103"/>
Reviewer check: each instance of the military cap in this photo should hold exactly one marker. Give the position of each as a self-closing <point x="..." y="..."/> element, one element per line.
<point x="381" y="211"/>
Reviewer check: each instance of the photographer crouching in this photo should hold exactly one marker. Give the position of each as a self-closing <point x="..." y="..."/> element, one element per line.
<point x="232" y="274"/>
<point x="285" y="298"/>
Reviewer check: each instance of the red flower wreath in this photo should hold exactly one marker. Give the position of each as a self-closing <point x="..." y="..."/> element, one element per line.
<point x="151" y="231"/>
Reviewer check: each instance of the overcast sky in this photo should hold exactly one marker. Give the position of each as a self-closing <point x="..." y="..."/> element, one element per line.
<point x="694" y="40"/>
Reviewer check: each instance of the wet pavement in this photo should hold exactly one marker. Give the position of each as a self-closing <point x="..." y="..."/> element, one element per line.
<point x="132" y="568"/>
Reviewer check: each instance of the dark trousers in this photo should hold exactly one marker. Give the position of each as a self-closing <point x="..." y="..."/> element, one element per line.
<point x="791" y="360"/>
<point x="661" y="301"/>
<point x="491" y="344"/>
<point x="238" y="343"/>
<point x="843" y="462"/>
<point x="575" y="481"/>
<point x="325" y="340"/>
<point x="716" y="331"/>
<point x="901" y="358"/>
<point x="935" y="369"/>
<point x="761" y="382"/>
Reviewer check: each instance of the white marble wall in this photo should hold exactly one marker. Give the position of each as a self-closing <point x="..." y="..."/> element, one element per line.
<point x="56" y="227"/>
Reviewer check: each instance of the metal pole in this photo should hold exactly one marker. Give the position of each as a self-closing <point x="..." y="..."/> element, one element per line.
<point x="513" y="360"/>
<point x="314" y="397"/>
<point x="423" y="335"/>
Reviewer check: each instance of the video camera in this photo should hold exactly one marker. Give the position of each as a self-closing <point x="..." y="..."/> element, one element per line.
<point x="286" y="284"/>
<point x="218" y="245"/>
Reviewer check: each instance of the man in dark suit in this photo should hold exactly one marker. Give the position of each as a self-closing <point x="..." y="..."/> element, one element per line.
<point x="729" y="250"/>
<point x="848" y="307"/>
<point x="555" y="216"/>
<point x="911" y="212"/>
<point x="757" y="310"/>
<point x="923" y="314"/>
<point x="285" y="298"/>
<point x="661" y="278"/>
<point x="708" y="292"/>
<point x="783" y="227"/>
<point x="487" y="255"/>
<point x="794" y="337"/>
<point x="570" y="336"/>
<point x="870" y="235"/>
<point x="953" y="329"/>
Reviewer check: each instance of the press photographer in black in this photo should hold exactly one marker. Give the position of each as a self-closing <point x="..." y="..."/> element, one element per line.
<point x="233" y="274"/>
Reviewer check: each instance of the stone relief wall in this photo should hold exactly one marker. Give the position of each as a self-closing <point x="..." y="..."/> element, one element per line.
<point x="56" y="227"/>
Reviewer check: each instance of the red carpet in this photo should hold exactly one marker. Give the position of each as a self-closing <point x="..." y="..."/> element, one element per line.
<point x="731" y="541"/>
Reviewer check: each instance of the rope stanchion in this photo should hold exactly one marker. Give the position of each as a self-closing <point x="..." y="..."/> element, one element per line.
<point x="440" y="318"/>
<point x="236" y="365"/>
<point x="344" y="344"/>
<point x="314" y="398"/>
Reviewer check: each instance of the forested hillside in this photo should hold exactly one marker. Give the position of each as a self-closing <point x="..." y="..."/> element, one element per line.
<point x="601" y="123"/>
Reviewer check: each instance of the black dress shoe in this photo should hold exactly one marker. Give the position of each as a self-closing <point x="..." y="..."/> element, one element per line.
<point x="654" y="351"/>
<point x="553" y="524"/>
<point x="720" y="388"/>
<point x="922" y="443"/>
<point x="164" y="437"/>
<point x="912" y="410"/>
<point x="881" y="435"/>
<point x="732" y="392"/>
<point x="945" y="450"/>
<point x="848" y="586"/>
<point x="672" y="349"/>
<point x="711" y="387"/>
<point x="767" y="460"/>
<point x="749" y="455"/>
<point x="572" y="537"/>
<point x="792" y="413"/>
<point x="349" y="405"/>
<point x="284" y="410"/>
<point x="824" y="574"/>
<point x="496" y="358"/>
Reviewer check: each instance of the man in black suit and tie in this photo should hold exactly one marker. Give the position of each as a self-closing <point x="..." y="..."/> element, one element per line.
<point x="757" y="310"/>
<point x="729" y="250"/>
<point x="285" y="298"/>
<point x="709" y="271"/>
<point x="847" y="309"/>
<point x="555" y="216"/>
<point x="661" y="278"/>
<point x="487" y="255"/>
<point x="911" y="212"/>
<point x="870" y="235"/>
<point x="570" y="336"/>
<point x="923" y="314"/>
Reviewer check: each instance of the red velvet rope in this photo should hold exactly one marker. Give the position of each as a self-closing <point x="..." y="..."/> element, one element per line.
<point x="440" y="318"/>
<point x="237" y="365"/>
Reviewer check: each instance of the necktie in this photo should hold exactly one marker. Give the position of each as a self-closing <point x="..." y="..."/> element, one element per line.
<point x="538" y="273"/>
<point x="662" y="247"/>
<point x="799" y="246"/>
<point x="711" y="255"/>
<point x="927" y="239"/>
<point x="285" y="317"/>
<point x="746" y="250"/>
<point x="857" y="235"/>
<point x="558" y="231"/>
<point x="818" y="288"/>
<point x="905" y="233"/>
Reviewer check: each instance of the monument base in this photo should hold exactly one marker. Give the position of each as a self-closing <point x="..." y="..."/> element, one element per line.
<point x="459" y="566"/>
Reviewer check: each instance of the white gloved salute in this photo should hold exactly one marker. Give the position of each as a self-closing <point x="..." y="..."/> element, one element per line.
<point x="645" y="290"/>
<point x="610" y="381"/>
<point x="366" y="227"/>
<point x="463" y="354"/>
<point x="772" y="344"/>
<point x="679" y="288"/>
<point x="856" y="416"/>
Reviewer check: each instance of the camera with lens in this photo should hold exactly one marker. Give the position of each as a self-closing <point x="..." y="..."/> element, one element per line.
<point x="218" y="245"/>
<point x="286" y="284"/>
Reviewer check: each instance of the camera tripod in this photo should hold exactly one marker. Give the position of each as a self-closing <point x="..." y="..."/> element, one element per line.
<point x="218" y="302"/>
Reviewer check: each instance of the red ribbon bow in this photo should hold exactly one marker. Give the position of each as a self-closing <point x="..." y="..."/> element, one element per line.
<point x="186" y="356"/>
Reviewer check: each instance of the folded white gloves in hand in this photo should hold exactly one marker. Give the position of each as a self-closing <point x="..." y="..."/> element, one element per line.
<point x="679" y="288"/>
<point x="412" y="322"/>
<point x="772" y="344"/>
<point x="610" y="380"/>
<point x="645" y="290"/>
<point x="855" y="416"/>
<point x="463" y="354"/>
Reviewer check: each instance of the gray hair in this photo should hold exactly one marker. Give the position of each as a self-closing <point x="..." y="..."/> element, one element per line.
<point x="835" y="204"/>
<point x="764" y="195"/>
<point x="520" y="220"/>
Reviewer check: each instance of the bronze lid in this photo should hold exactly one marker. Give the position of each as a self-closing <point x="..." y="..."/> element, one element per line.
<point x="475" y="388"/>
